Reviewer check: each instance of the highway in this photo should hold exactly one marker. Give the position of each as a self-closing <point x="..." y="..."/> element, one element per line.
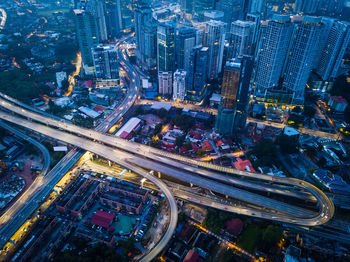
<point x="115" y="156"/>
<point x="146" y="151"/>
<point x="123" y="158"/>
<point x="9" y="213"/>
<point x="3" y="18"/>
<point x="73" y="156"/>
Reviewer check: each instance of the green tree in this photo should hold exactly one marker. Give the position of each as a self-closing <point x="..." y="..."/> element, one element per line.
<point x="309" y="111"/>
<point x="180" y="140"/>
<point x="272" y="235"/>
<point x="201" y="152"/>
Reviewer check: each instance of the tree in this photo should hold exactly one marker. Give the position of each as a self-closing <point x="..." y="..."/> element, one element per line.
<point x="65" y="85"/>
<point x="185" y="122"/>
<point x="266" y="152"/>
<point x="272" y="235"/>
<point x="287" y="144"/>
<point x="201" y="152"/>
<point x="309" y="111"/>
<point x="180" y="140"/>
<point x="296" y="110"/>
<point x="188" y="145"/>
<point x="162" y="113"/>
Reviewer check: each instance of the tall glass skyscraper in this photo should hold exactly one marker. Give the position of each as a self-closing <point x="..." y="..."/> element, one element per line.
<point x="233" y="110"/>
<point x="215" y="40"/>
<point x="185" y="41"/>
<point x="332" y="54"/>
<point x="241" y="35"/>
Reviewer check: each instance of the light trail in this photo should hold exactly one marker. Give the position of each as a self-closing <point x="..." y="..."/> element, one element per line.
<point x="71" y="78"/>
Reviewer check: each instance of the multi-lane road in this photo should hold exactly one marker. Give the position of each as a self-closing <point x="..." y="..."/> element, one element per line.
<point x="294" y="214"/>
<point x="3" y="18"/>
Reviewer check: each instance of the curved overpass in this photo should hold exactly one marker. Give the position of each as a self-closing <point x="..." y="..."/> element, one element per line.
<point x="303" y="217"/>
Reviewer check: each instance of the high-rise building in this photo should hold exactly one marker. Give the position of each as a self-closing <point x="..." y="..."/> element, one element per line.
<point x="301" y="57"/>
<point x="255" y="18"/>
<point x="166" y="47"/>
<point x="165" y="83"/>
<point x="185" y="41"/>
<point x="306" y="7"/>
<point x="197" y="74"/>
<point x="146" y="38"/>
<point x="200" y="6"/>
<point x="100" y="12"/>
<point x="113" y="18"/>
<point x="105" y="61"/>
<point x="332" y="54"/>
<point x="179" y="85"/>
<point x="241" y="35"/>
<point x="258" y="6"/>
<point x="87" y="32"/>
<point x="215" y="40"/>
<point x="233" y="10"/>
<point x="213" y="15"/>
<point x="127" y="8"/>
<point x="233" y="110"/>
<point x="272" y="52"/>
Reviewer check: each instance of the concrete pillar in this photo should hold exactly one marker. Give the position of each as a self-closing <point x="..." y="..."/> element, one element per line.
<point x="191" y="184"/>
<point x="109" y="163"/>
<point x="226" y="196"/>
<point x="159" y="175"/>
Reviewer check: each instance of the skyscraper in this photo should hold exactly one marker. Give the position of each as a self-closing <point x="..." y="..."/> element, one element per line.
<point x="179" y="85"/>
<point x="113" y="18"/>
<point x="165" y="83"/>
<point x="197" y="74"/>
<point x="233" y="10"/>
<point x="105" y="61"/>
<point x="332" y="54"/>
<point x="241" y="35"/>
<point x="215" y="40"/>
<point x="87" y="32"/>
<point x="300" y="60"/>
<point x="185" y="41"/>
<point x="100" y="11"/>
<point x="200" y="6"/>
<point x="258" y="6"/>
<point x="272" y="51"/>
<point x="146" y="38"/>
<point x="166" y="47"/>
<point x="233" y="110"/>
<point x="306" y="7"/>
<point x="255" y="18"/>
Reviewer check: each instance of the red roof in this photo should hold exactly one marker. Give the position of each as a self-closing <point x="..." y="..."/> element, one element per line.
<point x="102" y="219"/>
<point x="192" y="256"/>
<point x="339" y="99"/>
<point x="88" y="83"/>
<point x="234" y="226"/>
<point x="124" y="135"/>
<point x="207" y="146"/>
<point x="99" y="108"/>
<point x="244" y="165"/>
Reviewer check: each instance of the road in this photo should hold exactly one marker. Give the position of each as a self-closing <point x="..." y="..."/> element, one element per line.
<point x="117" y="157"/>
<point x="120" y="157"/>
<point x="73" y="156"/>
<point x="3" y="18"/>
<point x="9" y="213"/>
<point x="164" y="158"/>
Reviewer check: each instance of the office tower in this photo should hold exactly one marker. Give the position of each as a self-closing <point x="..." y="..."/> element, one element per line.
<point x="258" y="6"/>
<point x="213" y="15"/>
<point x="215" y="40"/>
<point x="232" y="9"/>
<point x="332" y="54"/>
<point x="179" y="85"/>
<point x="306" y="7"/>
<point x="255" y="18"/>
<point x="113" y="18"/>
<point x="197" y="74"/>
<point x="100" y="18"/>
<point x="273" y="48"/>
<point x="166" y="47"/>
<point x="105" y="61"/>
<point x="187" y="6"/>
<point x="241" y="35"/>
<point x="233" y="110"/>
<point x="301" y="57"/>
<point x="165" y="83"/>
<point x="331" y="7"/>
<point x="200" y="6"/>
<point x="185" y="41"/>
<point x="200" y="32"/>
<point x="146" y="38"/>
<point x="127" y="8"/>
<point x="87" y="32"/>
